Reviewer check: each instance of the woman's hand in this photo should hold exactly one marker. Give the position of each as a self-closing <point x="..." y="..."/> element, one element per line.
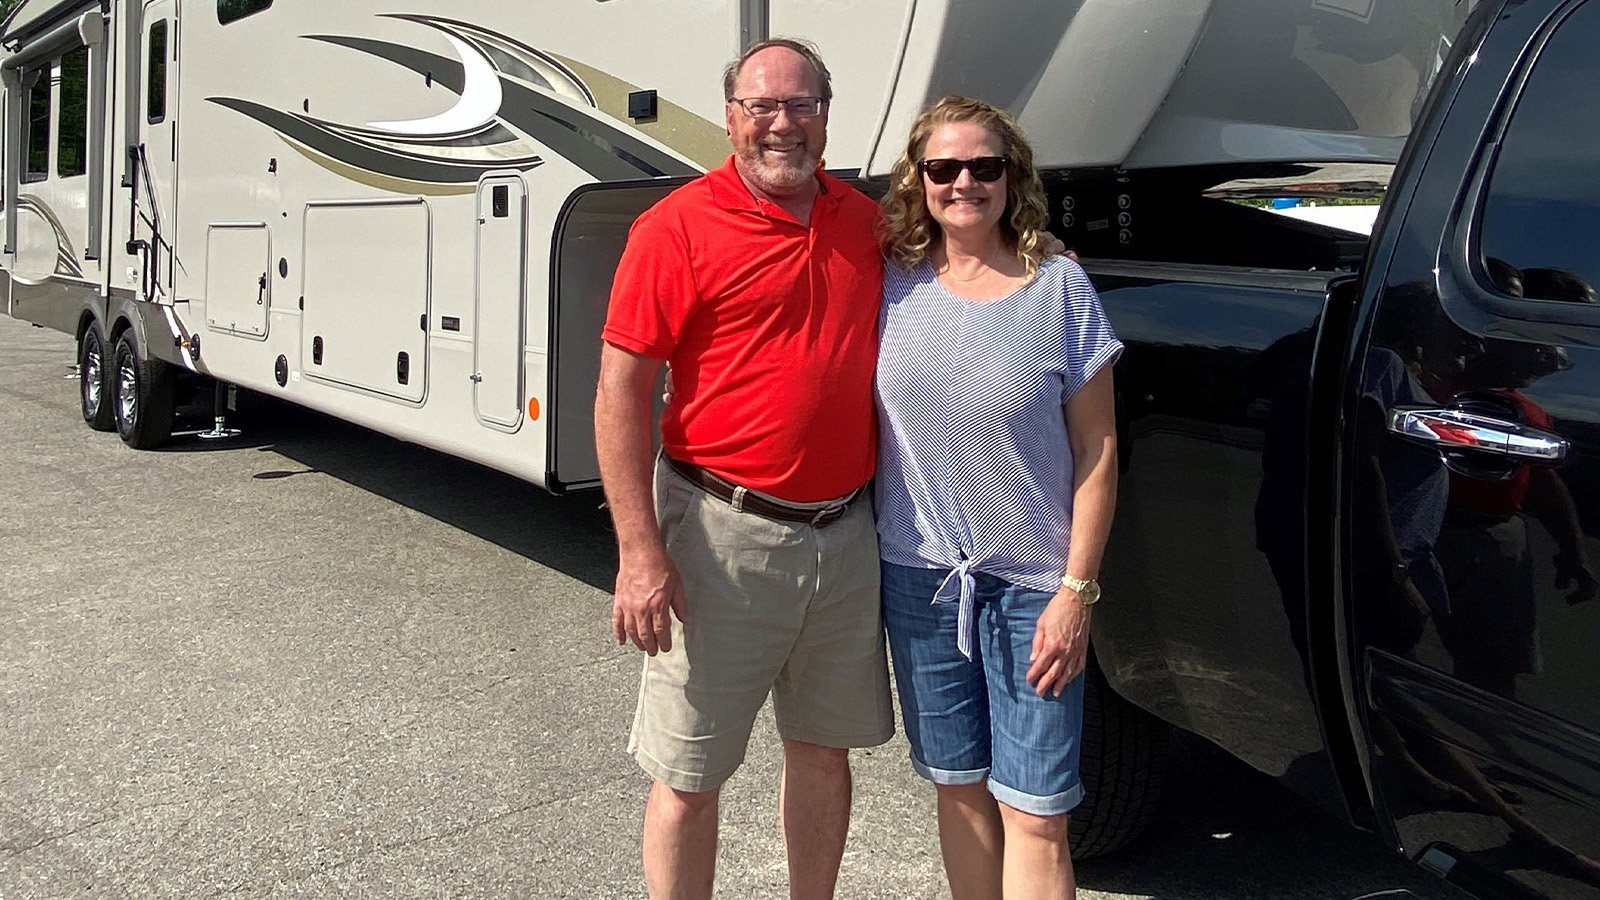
<point x="1060" y="644"/>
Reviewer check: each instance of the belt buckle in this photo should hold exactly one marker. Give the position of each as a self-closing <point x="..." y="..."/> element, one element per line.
<point x="829" y="514"/>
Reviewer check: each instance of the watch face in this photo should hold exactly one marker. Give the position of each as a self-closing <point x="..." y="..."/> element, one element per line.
<point x="1090" y="592"/>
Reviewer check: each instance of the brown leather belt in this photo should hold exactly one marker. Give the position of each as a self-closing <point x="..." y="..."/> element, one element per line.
<point x="744" y="500"/>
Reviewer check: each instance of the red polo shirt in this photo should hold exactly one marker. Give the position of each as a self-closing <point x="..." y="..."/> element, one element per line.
<point x="771" y="328"/>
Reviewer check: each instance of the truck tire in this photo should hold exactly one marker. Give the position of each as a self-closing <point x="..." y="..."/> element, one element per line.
<point x="1123" y="764"/>
<point x="94" y="380"/>
<point x="143" y="398"/>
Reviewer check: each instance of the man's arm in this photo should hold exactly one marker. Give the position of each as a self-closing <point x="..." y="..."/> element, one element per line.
<point x="648" y="590"/>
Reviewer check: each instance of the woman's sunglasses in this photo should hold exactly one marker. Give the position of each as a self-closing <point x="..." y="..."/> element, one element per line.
<point x="983" y="168"/>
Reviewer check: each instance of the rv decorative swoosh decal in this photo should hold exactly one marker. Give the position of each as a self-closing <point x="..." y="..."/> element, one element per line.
<point x="480" y="99"/>
<point x="517" y="104"/>
<point x="392" y="160"/>
<point x="66" y="258"/>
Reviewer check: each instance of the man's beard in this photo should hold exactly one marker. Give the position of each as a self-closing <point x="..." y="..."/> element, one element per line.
<point x="777" y="177"/>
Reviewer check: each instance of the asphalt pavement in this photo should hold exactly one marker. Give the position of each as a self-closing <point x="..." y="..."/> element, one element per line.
<point x="314" y="661"/>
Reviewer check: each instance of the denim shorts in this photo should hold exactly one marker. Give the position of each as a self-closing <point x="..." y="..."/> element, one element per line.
<point x="970" y="720"/>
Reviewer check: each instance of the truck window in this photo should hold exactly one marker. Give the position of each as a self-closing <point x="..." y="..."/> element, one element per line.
<point x="156" y="73"/>
<point x="38" y="139"/>
<point x="72" y="140"/>
<point x="1542" y="207"/>
<point x="232" y="10"/>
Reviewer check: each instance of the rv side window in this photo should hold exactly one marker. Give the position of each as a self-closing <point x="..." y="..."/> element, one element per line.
<point x="72" y="141"/>
<point x="38" y="168"/>
<point x="231" y="10"/>
<point x="1542" y="208"/>
<point x="156" y="80"/>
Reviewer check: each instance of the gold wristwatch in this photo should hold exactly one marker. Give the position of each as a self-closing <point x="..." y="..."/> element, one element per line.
<point x="1088" y="589"/>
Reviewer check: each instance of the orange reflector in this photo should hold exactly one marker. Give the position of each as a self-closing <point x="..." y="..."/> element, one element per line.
<point x="533" y="408"/>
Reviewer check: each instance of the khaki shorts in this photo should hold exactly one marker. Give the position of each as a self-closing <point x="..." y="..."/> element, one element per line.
<point x="774" y="607"/>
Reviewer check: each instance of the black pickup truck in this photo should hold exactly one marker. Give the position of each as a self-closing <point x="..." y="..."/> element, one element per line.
<point x="1356" y="539"/>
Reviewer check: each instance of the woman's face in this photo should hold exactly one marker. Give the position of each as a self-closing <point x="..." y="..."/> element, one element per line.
<point x="964" y="207"/>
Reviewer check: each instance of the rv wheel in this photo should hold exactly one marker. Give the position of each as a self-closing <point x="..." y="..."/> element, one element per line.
<point x="143" y="401"/>
<point x="94" y="380"/>
<point x="1123" y="765"/>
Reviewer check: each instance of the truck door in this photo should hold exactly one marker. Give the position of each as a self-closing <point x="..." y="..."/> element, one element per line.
<point x="1472" y="469"/>
<point x="153" y="160"/>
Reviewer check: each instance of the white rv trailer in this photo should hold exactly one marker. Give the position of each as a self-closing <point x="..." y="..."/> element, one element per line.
<point x="406" y="214"/>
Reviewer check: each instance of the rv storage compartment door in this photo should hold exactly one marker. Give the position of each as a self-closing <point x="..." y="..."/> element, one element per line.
<point x="498" y="340"/>
<point x="238" y="257"/>
<point x="590" y="234"/>
<point x="366" y="295"/>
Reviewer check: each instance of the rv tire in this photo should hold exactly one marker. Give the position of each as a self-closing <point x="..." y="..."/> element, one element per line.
<point x="143" y="396"/>
<point x="1123" y="765"/>
<point x="94" y="380"/>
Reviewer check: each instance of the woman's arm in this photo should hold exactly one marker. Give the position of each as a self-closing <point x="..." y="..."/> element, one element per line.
<point x="1061" y="639"/>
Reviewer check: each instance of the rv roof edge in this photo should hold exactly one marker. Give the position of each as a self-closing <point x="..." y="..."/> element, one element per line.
<point x="87" y="30"/>
<point x="33" y="17"/>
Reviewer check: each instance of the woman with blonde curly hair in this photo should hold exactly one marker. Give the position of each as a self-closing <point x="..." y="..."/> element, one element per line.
<point x="995" y="488"/>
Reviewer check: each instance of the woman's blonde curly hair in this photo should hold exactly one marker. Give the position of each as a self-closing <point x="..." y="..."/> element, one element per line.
<point x="909" y="232"/>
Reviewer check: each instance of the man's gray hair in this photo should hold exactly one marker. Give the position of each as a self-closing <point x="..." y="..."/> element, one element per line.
<point x="807" y="52"/>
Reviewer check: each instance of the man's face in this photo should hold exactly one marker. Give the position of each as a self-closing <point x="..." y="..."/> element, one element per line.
<point x="779" y="154"/>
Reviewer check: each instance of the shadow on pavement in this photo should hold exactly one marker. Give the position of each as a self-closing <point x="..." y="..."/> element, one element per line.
<point x="570" y="534"/>
<point x="1227" y="831"/>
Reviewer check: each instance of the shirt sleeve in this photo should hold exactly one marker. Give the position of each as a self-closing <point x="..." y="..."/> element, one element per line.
<point x="1091" y="345"/>
<point x="653" y="292"/>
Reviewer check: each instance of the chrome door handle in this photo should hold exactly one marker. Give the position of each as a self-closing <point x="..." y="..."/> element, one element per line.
<point x="1453" y="429"/>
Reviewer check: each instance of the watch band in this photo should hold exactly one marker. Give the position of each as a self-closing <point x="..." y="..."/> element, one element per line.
<point x="1088" y="589"/>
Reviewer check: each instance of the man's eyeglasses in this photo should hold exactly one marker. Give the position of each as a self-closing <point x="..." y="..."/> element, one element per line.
<point x="767" y="107"/>
<point x="983" y="168"/>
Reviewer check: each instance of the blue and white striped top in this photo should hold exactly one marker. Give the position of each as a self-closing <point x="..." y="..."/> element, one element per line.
<point x="974" y="470"/>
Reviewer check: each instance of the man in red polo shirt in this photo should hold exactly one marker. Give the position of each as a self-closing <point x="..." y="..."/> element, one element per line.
<point x="754" y="570"/>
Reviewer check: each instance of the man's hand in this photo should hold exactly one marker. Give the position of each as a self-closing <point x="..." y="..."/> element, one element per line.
<point x="1054" y="247"/>
<point x="1060" y="644"/>
<point x="649" y="592"/>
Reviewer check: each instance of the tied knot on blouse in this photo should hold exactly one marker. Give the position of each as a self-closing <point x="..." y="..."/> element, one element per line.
<point x="960" y="587"/>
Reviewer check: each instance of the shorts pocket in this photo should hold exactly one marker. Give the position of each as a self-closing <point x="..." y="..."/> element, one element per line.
<point x="676" y="500"/>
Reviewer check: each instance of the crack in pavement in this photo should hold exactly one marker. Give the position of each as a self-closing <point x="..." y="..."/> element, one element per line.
<point x="408" y="843"/>
<point x="16" y="850"/>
